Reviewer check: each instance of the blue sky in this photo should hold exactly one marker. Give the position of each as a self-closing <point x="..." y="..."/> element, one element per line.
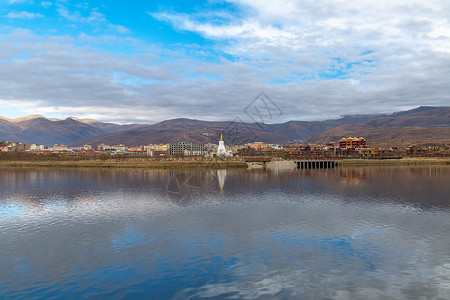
<point x="147" y="61"/>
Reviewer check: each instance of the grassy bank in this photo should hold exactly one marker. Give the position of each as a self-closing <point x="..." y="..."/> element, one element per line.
<point x="396" y="162"/>
<point x="146" y="164"/>
<point x="193" y="164"/>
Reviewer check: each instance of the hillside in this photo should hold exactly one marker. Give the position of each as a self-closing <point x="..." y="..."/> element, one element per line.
<point x="424" y="124"/>
<point x="177" y="130"/>
<point x="37" y="129"/>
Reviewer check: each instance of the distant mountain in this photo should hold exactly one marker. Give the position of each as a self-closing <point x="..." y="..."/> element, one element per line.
<point x="196" y="131"/>
<point x="422" y="124"/>
<point x="106" y="127"/>
<point x="36" y="129"/>
<point x="415" y="110"/>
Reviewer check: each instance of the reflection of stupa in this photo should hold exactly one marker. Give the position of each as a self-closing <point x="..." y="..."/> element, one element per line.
<point x="221" y="151"/>
<point x="221" y="175"/>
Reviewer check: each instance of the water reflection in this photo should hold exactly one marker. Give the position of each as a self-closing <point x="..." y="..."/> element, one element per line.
<point x="184" y="187"/>
<point x="34" y="190"/>
<point x="368" y="233"/>
<point x="221" y="176"/>
<point x="353" y="176"/>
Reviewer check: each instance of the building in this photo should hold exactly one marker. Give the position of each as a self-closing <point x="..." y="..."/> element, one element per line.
<point x="257" y="145"/>
<point x="368" y="152"/>
<point x="121" y="148"/>
<point x="157" y="147"/>
<point x="352" y="142"/>
<point x="57" y="148"/>
<point x="116" y="148"/>
<point x="34" y="147"/>
<point x="221" y="150"/>
<point x="103" y="147"/>
<point x="186" y="149"/>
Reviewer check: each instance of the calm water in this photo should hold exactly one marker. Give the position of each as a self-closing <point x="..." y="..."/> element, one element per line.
<point x="356" y="233"/>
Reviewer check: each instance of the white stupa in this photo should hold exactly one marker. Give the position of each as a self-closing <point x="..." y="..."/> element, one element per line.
<point x="221" y="150"/>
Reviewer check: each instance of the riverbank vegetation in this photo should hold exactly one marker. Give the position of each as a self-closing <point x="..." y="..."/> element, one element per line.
<point x="24" y="160"/>
<point x="106" y="160"/>
<point x="395" y="162"/>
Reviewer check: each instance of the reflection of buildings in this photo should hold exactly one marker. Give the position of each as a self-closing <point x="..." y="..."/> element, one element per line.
<point x="221" y="176"/>
<point x="353" y="176"/>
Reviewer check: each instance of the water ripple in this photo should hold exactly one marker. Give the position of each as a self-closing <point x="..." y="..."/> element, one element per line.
<point x="345" y="234"/>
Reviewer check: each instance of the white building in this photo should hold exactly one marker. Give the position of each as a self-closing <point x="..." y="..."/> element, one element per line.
<point x="34" y="147"/>
<point x="221" y="150"/>
<point x="57" y="147"/>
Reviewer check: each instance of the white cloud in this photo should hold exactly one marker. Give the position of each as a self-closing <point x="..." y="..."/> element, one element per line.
<point x="316" y="60"/>
<point x="249" y="29"/>
<point x="46" y="4"/>
<point x="62" y="77"/>
<point x="324" y="25"/>
<point x="23" y="15"/>
<point x="93" y="17"/>
<point x="18" y="1"/>
<point x="119" y="28"/>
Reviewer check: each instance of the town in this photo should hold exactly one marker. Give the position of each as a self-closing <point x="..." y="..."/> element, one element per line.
<point x="347" y="147"/>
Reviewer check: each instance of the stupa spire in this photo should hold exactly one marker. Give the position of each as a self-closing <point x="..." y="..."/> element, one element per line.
<point x="221" y="150"/>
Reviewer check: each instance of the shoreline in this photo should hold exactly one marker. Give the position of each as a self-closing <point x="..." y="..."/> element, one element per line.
<point x="126" y="164"/>
<point x="143" y="164"/>
<point x="395" y="162"/>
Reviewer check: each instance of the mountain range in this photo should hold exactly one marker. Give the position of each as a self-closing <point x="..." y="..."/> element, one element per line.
<point x="423" y="124"/>
<point x="36" y="129"/>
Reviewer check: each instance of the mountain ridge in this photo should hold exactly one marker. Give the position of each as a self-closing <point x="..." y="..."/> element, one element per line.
<point x="183" y="129"/>
<point x="37" y="129"/>
<point x="419" y="125"/>
<point x="423" y="122"/>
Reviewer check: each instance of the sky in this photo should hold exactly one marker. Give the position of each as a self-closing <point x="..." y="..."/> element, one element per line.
<point x="148" y="61"/>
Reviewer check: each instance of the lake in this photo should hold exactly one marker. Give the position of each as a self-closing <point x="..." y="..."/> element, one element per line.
<point x="346" y="233"/>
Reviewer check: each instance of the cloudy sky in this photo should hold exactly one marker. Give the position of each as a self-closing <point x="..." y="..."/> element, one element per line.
<point x="146" y="61"/>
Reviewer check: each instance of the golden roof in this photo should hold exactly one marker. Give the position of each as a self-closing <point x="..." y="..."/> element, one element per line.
<point x="352" y="138"/>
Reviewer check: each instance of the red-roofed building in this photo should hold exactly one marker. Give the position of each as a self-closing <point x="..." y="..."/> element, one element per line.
<point x="352" y="142"/>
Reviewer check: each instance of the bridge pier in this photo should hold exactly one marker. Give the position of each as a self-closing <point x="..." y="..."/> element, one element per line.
<point x="317" y="164"/>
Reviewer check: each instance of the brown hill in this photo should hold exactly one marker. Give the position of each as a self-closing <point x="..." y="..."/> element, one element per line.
<point x="432" y="117"/>
<point x="377" y="128"/>
<point x="196" y="131"/>
<point x="422" y="125"/>
<point x="37" y="129"/>
<point x="392" y="135"/>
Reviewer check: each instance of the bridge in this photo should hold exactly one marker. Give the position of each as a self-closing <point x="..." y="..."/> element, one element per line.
<point x="257" y="159"/>
<point x="292" y="164"/>
<point x="317" y="164"/>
